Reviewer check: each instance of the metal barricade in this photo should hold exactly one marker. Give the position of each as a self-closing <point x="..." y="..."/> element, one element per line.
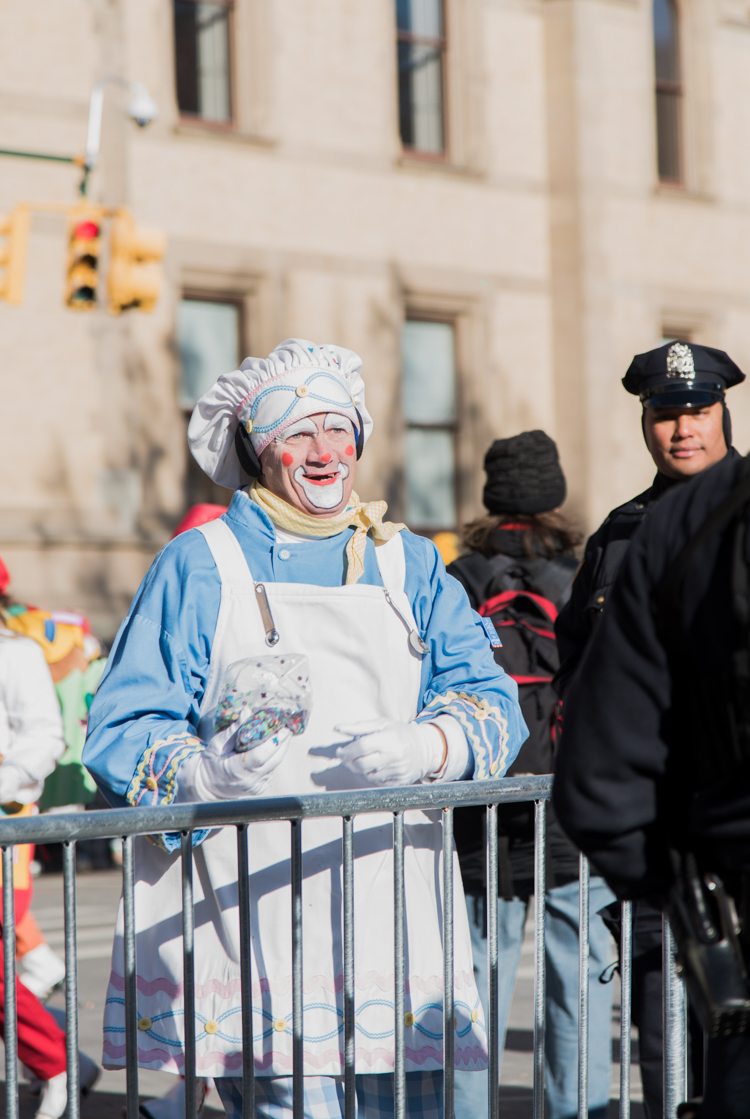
<point x="626" y="978"/>
<point x="674" y="1026"/>
<point x="184" y="819"/>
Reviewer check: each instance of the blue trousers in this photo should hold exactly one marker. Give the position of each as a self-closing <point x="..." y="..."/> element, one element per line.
<point x="324" y="1096"/>
<point x="561" y="1032"/>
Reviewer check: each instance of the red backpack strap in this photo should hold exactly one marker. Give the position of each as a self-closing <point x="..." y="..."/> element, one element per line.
<point x="500" y="601"/>
<point x="520" y="680"/>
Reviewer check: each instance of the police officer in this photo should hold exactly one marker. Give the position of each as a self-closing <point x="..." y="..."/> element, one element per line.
<point x="687" y="429"/>
<point x="653" y="772"/>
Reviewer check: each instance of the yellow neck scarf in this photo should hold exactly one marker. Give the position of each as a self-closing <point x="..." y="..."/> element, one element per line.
<point x="365" y="516"/>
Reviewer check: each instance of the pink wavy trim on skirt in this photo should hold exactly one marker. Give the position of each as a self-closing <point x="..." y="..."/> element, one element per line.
<point x="475" y="1055"/>
<point x="362" y="982"/>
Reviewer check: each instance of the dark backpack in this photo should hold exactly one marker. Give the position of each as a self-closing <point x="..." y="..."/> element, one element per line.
<point x="525" y="624"/>
<point x="521" y="597"/>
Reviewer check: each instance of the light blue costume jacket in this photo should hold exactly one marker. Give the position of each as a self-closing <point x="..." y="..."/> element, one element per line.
<point x="146" y="709"/>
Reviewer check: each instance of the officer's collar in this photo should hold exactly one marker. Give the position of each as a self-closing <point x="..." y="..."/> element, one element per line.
<point x="662" y="483"/>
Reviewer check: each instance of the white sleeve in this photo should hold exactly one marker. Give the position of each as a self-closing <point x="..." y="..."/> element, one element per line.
<point x="34" y="718"/>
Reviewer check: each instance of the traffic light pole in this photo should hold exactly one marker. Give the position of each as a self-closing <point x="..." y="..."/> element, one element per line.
<point x="142" y="109"/>
<point x="75" y="159"/>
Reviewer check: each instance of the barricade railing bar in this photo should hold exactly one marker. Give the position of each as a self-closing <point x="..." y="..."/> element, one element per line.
<point x="674" y="1026"/>
<point x="126" y="823"/>
<point x="540" y="970"/>
<point x="626" y="976"/>
<point x="583" y="987"/>
<point x="11" y="1016"/>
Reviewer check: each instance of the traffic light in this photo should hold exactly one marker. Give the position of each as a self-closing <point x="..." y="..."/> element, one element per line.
<point x="135" y="274"/>
<point x="82" y="266"/>
<point x="14" y="228"/>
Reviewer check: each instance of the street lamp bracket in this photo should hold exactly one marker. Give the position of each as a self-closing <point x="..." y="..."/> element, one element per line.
<point x="142" y="108"/>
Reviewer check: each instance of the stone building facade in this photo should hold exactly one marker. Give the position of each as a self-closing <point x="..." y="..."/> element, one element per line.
<point x="495" y="202"/>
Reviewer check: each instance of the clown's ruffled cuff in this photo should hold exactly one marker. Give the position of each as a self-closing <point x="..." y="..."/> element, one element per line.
<point x="484" y="725"/>
<point x="156" y="778"/>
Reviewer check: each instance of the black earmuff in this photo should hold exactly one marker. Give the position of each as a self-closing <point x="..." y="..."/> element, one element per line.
<point x="727" y="426"/>
<point x="249" y="460"/>
<point x="360" y="435"/>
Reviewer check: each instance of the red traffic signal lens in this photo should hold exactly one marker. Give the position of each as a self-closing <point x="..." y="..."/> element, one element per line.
<point x="86" y="231"/>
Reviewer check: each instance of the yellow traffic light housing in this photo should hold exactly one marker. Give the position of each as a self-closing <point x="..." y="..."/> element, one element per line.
<point x="82" y="266"/>
<point x="135" y="275"/>
<point x="14" y="228"/>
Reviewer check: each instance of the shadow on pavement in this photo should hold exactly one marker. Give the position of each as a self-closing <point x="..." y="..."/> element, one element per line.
<point x="520" y="1041"/>
<point x="518" y="1103"/>
<point x="515" y="1103"/>
<point x="99" y="1105"/>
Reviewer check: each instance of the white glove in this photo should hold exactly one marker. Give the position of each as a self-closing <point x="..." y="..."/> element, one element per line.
<point x="222" y="774"/>
<point x="12" y="780"/>
<point x="391" y="753"/>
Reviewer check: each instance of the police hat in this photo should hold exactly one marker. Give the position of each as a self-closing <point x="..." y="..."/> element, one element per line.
<point x="681" y="375"/>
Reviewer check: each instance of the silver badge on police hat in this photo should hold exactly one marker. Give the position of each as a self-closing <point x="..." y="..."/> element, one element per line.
<point x="680" y="362"/>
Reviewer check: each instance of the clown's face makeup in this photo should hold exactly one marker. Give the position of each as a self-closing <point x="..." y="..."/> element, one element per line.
<point x="312" y="464"/>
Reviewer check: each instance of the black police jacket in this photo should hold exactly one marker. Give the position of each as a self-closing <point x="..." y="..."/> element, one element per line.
<point x="604" y="553"/>
<point x="632" y="770"/>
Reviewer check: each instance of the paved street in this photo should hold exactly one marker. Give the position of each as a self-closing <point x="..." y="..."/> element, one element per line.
<point x="98" y="895"/>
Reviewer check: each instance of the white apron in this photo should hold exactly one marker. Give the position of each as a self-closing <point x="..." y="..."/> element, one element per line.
<point x="361" y="667"/>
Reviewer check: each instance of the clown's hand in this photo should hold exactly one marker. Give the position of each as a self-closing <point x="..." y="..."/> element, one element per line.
<point x="12" y="780"/>
<point x="222" y="774"/>
<point x="390" y="753"/>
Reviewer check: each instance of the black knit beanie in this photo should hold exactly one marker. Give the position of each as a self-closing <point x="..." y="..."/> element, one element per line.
<point x="523" y="475"/>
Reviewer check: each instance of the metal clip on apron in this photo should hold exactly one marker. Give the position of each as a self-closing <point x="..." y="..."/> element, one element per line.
<point x="272" y="634"/>
<point x="415" y="640"/>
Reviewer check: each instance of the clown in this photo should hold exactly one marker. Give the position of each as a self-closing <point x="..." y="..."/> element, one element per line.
<point x="404" y="689"/>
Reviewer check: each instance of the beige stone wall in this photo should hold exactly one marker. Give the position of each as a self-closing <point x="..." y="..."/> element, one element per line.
<point x="631" y="258"/>
<point x="545" y="236"/>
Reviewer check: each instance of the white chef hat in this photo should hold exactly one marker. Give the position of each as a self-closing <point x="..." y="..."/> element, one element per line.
<point x="297" y="379"/>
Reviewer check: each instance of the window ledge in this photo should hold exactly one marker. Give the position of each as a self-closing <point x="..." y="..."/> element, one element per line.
<point x="440" y="166"/>
<point x="208" y="131"/>
<point x="682" y="193"/>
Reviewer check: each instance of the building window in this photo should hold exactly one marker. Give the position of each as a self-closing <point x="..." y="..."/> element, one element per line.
<point x="421" y="78"/>
<point x="208" y="338"/>
<point x="668" y="91"/>
<point x="675" y="334"/>
<point x="202" y="59"/>
<point x="429" y="406"/>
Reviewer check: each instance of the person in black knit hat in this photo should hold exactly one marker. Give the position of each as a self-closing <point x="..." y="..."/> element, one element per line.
<point x="525" y="544"/>
<point x="523" y="475"/>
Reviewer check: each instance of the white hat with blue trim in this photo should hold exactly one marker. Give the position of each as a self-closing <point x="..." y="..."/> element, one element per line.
<point x="266" y="395"/>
